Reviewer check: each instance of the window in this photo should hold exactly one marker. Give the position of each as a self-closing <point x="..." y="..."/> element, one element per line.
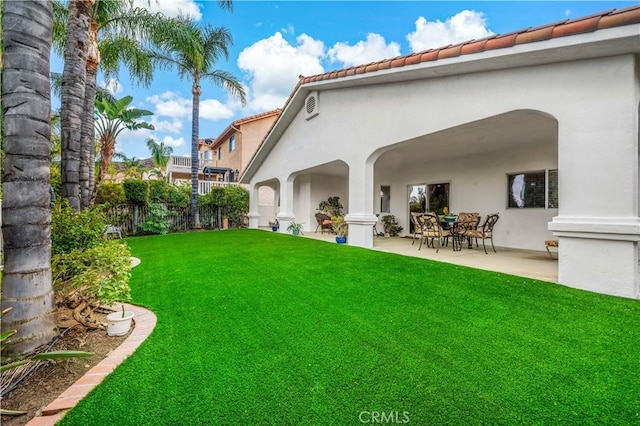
<point x="385" y="199"/>
<point x="207" y="155"/>
<point x="219" y="153"/>
<point x="552" y="193"/>
<point x="530" y="190"/>
<point x="232" y="143"/>
<point x="437" y="197"/>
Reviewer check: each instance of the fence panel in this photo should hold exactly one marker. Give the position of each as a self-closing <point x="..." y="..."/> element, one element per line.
<point x="130" y="218"/>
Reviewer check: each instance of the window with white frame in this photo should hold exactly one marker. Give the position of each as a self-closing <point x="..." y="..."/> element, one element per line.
<point x="232" y="143"/>
<point x="536" y="189"/>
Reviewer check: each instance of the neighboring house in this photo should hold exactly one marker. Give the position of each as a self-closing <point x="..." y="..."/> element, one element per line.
<point x="222" y="160"/>
<point x="539" y="125"/>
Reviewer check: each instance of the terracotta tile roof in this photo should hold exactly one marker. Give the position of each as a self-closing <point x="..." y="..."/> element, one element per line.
<point x="598" y="21"/>
<point x="586" y="24"/>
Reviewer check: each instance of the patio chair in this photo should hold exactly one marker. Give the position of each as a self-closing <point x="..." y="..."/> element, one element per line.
<point x="324" y="222"/>
<point x="484" y="231"/>
<point x="466" y="222"/>
<point x="417" y="229"/>
<point x="551" y="243"/>
<point x="431" y="229"/>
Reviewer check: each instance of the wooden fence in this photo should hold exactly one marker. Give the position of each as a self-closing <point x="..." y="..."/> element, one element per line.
<point x="129" y="217"/>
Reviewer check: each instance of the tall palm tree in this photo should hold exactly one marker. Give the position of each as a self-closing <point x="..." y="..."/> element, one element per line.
<point x="111" y="119"/>
<point x="26" y="102"/>
<point x="194" y="51"/>
<point x="117" y="34"/>
<point x="160" y="154"/>
<point x="73" y="91"/>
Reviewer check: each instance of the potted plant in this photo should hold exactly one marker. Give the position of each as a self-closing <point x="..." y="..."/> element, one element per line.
<point x="274" y="226"/>
<point x="331" y="207"/>
<point x="119" y="323"/>
<point x="341" y="228"/>
<point x="294" y="228"/>
<point x="391" y="225"/>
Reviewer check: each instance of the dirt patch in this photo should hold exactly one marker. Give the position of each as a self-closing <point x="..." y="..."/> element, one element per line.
<point x="50" y="380"/>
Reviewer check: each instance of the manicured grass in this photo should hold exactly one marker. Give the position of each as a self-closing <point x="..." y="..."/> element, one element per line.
<point x="263" y="328"/>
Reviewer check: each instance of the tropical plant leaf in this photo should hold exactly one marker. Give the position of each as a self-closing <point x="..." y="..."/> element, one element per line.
<point x="4" y="336"/>
<point x="13" y="365"/>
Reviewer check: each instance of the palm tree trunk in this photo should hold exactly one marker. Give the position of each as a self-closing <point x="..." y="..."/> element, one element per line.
<point x="72" y="97"/>
<point x="26" y="100"/>
<point x="107" y="148"/>
<point x="195" y="129"/>
<point x="87" y="138"/>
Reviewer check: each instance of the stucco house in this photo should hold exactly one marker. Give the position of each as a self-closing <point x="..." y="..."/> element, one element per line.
<point x="221" y="160"/>
<point x="539" y="125"/>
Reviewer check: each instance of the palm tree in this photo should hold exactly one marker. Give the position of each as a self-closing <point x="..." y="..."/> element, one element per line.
<point x="117" y="34"/>
<point x="73" y="91"/>
<point x="194" y="51"/>
<point x="111" y="119"/>
<point x="133" y="167"/>
<point x="160" y="154"/>
<point x="26" y="101"/>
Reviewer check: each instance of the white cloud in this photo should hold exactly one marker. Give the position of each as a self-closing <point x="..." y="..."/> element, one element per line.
<point x="375" y="48"/>
<point x="212" y="109"/>
<point x="171" y="8"/>
<point x="170" y="104"/>
<point x="173" y="126"/>
<point x="289" y="29"/>
<point x="169" y="141"/>
<point x="112" y="85"/>
<point x="463" y="26"/>
<point x="273" y="66"/>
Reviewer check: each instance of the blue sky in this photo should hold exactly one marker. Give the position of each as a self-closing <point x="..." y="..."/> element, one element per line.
<point x="276" y="41"/>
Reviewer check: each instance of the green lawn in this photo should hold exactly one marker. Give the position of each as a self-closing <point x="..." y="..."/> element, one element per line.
<point x="262" y="328"/>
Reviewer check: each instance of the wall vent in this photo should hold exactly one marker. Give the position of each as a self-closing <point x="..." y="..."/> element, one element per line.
<point x="311" y="106"/>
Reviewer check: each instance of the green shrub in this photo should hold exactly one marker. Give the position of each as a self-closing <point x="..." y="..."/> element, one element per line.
<point x="76" y="231"/>
<point x="156" y="222"/>
<point x="236" y="204"/>
<point x="112" y="193"/>
<point x="161" y="191"/>
<point x="98" y="275"/>
<point x="215" y="198"/>
<point x="136" y="191"/>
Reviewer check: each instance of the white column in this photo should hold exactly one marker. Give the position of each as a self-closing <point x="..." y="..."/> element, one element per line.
<point x="598" y="226"/>
<point x="254" y="206"/>
<point x="285" y="214"/>
<point x="360" y="217"/>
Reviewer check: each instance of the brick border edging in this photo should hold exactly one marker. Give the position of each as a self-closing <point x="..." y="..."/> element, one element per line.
<point x="145" y="322"/>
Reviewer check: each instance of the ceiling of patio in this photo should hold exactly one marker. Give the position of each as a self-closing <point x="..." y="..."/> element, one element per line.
<point x="525" y="127"/>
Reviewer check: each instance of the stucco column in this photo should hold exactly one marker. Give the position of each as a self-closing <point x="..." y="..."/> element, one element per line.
<point x="361" y="218"/>
<point x="254" y="205"/>
<point x="598" y="226"/>
<point x="285" y="214"/>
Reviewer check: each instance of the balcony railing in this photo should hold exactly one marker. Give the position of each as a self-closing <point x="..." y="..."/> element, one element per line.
<point x="184" y="163"/>
<point x="204" y="186"/>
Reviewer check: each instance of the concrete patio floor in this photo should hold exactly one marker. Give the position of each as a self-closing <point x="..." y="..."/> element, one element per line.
<point x="524" y="263"/>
